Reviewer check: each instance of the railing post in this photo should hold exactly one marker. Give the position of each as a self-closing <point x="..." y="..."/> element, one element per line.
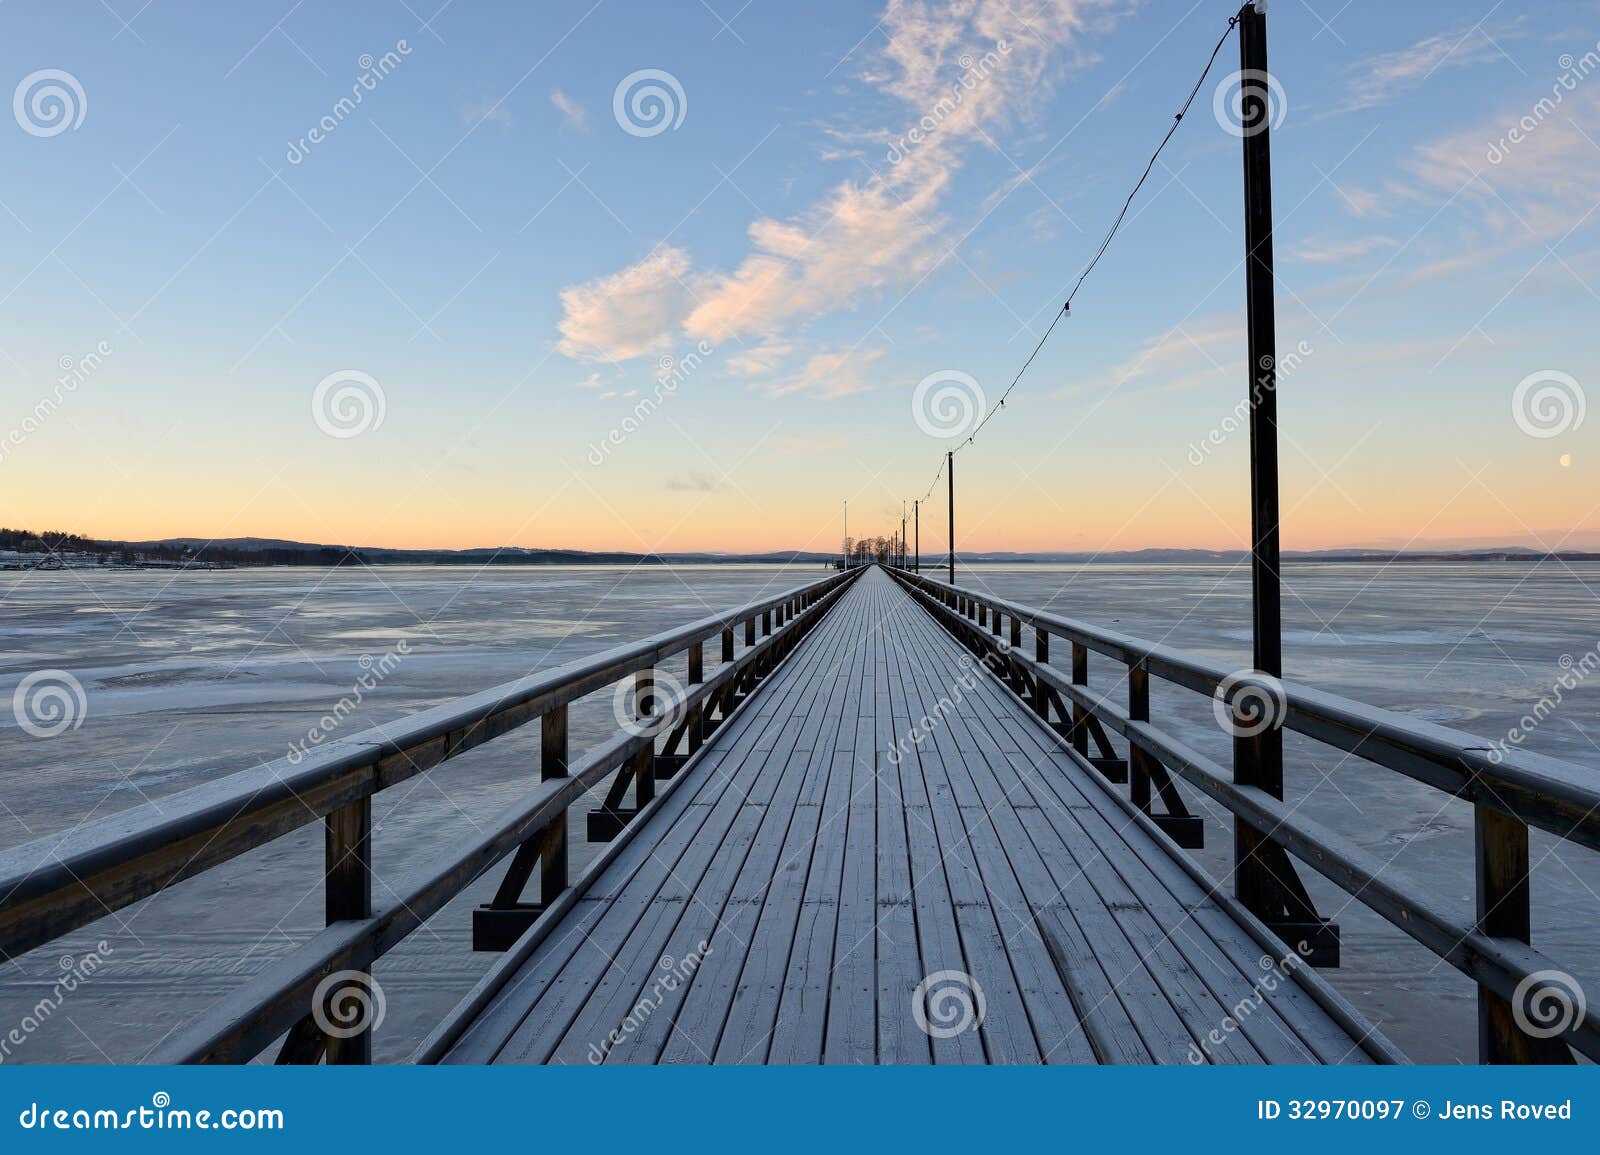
<point x="1041" y="654"/>
<point x="1080" y="678"/>
<point x="1505" y="911"/>
<point x="553" y="840"/>
<point x="347" y="894"/>
<point x="1138" y="759"/>
<point x="696" y="715"/>
<point x="644" y="761"/>
<point x="750" y="631"/>
<point x="1250" y="768"/>
<point x="727" y="645"/>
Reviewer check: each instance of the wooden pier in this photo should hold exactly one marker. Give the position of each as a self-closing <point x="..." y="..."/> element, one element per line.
<point x="876" y="829"/>
<point x="888" y="813"/>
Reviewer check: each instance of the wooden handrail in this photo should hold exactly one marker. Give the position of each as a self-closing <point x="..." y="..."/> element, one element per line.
<point x="56" y="884"/>
<point x="1521" y="790"/>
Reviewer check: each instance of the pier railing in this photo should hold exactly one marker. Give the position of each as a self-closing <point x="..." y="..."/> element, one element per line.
<point x="57" y="884"/>
<point x="1527" y="1006"/>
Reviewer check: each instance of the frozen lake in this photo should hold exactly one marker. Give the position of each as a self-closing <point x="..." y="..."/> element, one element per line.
<point x="189" y="677"/>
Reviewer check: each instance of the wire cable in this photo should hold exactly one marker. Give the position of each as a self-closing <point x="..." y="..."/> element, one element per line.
<point x="1111" y="233"/>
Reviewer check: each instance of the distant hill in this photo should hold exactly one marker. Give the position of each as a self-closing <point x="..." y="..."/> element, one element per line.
<point x="263" y="547"/>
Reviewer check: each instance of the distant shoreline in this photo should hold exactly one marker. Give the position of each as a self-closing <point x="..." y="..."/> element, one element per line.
<point x="936" y="565"/>
<point x="25" y="550"/>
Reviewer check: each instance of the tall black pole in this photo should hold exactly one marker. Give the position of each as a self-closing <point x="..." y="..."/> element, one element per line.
<point x="950" y="472"/>
<point x="916" y="535"/>
<point x="1265" y="881"/>
<point x="1261" y="323"/>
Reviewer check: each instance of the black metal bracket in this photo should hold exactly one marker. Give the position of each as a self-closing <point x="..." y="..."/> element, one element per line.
<point x="496" y="928"/>
<point x="1314" y="942"/>
<point x="607" y="822"/>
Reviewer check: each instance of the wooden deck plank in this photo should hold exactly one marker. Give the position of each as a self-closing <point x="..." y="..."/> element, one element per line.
<point x="752" y="1013"/>
<point x="851" y="1029"/>
<point x="901" y="967"/>
<point x="799" y="1029"/>
<point x="962" y="907"/>
<point x="1057" y="1034"/>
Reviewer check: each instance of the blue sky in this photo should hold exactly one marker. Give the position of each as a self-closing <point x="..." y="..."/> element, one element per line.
<point x="486" y="243"/>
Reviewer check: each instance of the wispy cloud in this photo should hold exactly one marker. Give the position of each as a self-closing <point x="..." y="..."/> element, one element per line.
<point x="1542" y="187"/>
<point x="573" y="114"/>
<point x="1389" y="75"/>
<point x="693" y="481"/>
<point x="1204" y="351"/>
<point x="1338" y="252"/>
<point x="831" y="373"/>
<point x="626" y="314"/>
<point x="487" y="109"/>
<point x="761" y="360"/>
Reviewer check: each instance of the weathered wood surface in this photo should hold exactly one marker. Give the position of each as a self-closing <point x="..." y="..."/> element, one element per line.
<point x="886" y="811"/>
